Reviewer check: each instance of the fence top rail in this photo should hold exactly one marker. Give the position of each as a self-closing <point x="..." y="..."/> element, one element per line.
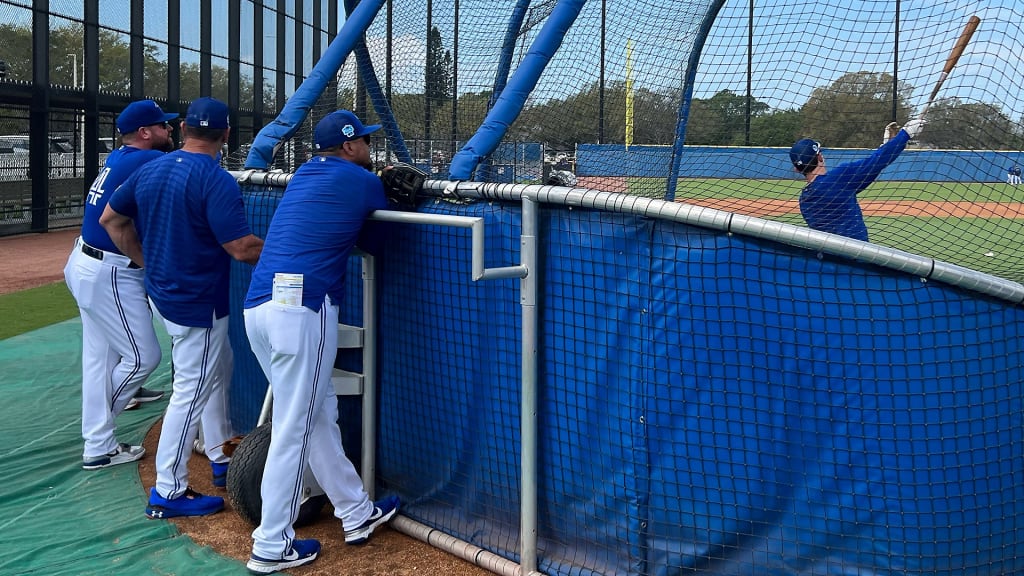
<point x="711" y="218"/>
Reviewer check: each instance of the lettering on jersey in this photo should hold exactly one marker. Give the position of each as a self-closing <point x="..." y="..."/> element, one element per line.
<point x="96" y="191"/>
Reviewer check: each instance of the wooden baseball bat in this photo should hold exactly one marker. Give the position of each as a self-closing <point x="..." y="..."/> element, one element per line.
<point x="954" y="56"/>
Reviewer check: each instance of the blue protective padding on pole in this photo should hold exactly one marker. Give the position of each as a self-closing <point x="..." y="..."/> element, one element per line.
<point x="513" y="97"/>
<point x="687" y="96"/>
<point x="508" y="48"/>
<point x="296" y="108"/>
<point x="380" y="103"/>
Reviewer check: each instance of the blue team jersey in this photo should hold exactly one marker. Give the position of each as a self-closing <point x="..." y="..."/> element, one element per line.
<point x="829" y="203"/>
<point x="185" y="206"/>
<point x="120" y="164"/>
<point x="314" y="229"/>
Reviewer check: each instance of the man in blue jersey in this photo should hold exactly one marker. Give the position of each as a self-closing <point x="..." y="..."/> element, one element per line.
<point x="829" y="200"/>
<point x="293" y="331"/>
<point x="181" y="216"/>
<point x="119" y="347"/>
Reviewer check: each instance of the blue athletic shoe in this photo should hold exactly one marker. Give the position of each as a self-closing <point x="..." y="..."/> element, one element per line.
<point x="302" y="552"/>
<point x="220" y="474"/>
<point x="191" y="503"/>
<point x="383" y="510"/>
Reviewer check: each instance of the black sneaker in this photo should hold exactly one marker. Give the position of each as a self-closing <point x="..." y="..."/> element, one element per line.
<point x="146" y="395"/>
<point x="123" y="454"/>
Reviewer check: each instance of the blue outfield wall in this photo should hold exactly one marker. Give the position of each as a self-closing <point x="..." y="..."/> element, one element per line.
<point x="773" y="163"/>
<point x="707" y="402"/>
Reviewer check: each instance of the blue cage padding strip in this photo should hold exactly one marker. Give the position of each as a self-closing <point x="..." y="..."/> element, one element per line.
<point x="685" y="99"/>
<point x="707" y="402"/>
<point x="511" y="100"/>
<point x="508" y="45"/>
<point x="297" y="108"/>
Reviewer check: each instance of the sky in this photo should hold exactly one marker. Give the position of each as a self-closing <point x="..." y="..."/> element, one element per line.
<point x="798" y="46"/>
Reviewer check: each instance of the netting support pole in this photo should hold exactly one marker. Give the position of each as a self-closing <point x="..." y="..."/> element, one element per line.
<point x="508" y="48"/>
<point x="368" y="460"/>
<point x="297" y="108"/>
<point x="510" y="103"/>
<point x="528" y="416"/>
<point x="687" y="96"/>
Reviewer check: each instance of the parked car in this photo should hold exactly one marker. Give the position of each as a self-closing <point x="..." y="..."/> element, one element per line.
<point x="18" y="143"/>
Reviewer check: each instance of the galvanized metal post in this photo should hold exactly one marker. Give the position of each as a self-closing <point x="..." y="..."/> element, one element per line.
<point x="528" y="417"/>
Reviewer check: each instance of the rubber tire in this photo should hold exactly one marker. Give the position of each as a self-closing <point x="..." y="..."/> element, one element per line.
<point x="245" y="474"/>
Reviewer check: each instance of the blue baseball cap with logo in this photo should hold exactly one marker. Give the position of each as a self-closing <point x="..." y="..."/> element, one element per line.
<point x="339" y="127"/>
<point x="141" y="113"/>
<point x="803" y="153"/>
<point x="208" y="112"/>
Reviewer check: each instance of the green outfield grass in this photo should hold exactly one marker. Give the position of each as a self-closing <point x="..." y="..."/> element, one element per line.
<point x="986" y="245"/>
<point x="749" y="189"/>
<point x="34" y="308"/>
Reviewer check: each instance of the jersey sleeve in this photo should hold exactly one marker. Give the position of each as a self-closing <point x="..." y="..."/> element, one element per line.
<point x="224" y="209"/>
<point x="373" y="234"/>
<point x="859" y="174"/>
<point x="122" y="200"/>
<point x="375" y="198"/>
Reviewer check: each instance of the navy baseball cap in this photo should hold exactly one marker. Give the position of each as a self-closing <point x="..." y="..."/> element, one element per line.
<point x="208" y="112"/>
<point x="338" y="127"/>
<point x="141" y="113"/>
<point x="803" y="153"/>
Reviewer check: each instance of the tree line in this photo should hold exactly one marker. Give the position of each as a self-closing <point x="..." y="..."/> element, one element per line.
<point x="849" y="112"/>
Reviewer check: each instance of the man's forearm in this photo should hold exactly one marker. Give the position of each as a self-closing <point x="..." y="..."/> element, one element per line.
<point x="245" y="249"/>
<point x="122" y="233"/>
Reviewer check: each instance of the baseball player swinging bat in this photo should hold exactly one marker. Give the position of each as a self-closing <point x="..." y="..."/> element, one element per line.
<point x="954" y="56"/>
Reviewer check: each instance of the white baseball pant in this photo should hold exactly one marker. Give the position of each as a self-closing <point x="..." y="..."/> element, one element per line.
<point x="119" y="345"/>
<point x="296" y="348"/>
<point x="203" y="361"/>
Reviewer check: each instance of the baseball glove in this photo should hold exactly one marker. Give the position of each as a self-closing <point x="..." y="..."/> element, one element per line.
<point x="230" y="445"/>
<point x="402" y="183"/>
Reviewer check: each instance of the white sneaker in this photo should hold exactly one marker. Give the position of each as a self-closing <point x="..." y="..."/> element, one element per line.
<point x="123" y="454"/>
<point x="132" y="404"/>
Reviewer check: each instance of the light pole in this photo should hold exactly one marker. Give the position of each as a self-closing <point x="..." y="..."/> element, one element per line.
<point x="79" y="139"/>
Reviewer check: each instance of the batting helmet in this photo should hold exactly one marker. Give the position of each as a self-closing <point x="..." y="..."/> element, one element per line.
<point x="804" y="153"/>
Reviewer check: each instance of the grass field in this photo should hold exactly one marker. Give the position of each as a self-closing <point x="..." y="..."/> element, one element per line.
<point x="34" y="308"/>
<point x="790" y="190"/>
<point x="988" y="245"/>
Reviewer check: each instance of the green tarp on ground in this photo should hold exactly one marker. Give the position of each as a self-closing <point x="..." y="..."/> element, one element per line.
<point x="56" y="518"/>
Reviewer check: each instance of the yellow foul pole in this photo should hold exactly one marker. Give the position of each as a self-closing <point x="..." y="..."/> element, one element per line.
<point x="629" y="93"/>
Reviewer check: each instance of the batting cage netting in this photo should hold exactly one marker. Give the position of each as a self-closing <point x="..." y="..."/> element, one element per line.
<point x="685" y="377"/>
